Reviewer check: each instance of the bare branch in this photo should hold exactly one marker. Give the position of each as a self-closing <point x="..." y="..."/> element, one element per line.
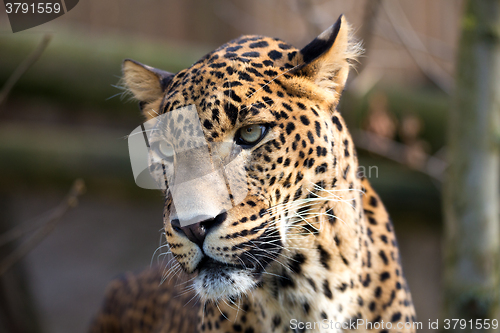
<point x="23" y="68"/>
<point x="366" y="32"/>
<point x="71" y="201"/>
<point x="411" y="42"/>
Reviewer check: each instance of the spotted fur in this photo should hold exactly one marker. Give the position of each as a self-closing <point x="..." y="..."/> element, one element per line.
<point x="311" y="242"/>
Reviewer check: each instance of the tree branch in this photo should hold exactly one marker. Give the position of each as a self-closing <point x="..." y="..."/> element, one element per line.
<point x="69" y="202"/>
<point x="23" y="68"/>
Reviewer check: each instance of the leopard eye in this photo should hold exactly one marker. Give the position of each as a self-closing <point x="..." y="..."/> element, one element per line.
<point x="250" y="135"/>
<point x="165" y="150"/>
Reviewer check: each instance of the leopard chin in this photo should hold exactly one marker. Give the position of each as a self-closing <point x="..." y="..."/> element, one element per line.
<point x="218" y="281"/>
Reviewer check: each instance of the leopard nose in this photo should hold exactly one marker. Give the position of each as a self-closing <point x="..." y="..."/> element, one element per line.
<point x="196" y="232"/>
<point x="196" y="229"/>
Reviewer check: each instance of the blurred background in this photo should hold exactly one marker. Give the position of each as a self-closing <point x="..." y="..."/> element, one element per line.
<point x="65" y="120"/>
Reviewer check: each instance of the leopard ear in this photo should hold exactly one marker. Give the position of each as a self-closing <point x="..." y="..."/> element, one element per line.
<point x="146" y="83"/>
<point x="328" y="57"/>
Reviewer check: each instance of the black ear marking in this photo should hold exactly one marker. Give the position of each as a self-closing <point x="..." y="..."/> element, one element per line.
<point x="322" y="43"/>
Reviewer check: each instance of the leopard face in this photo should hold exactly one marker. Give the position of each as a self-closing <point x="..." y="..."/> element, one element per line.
<point x="274" y="106"/>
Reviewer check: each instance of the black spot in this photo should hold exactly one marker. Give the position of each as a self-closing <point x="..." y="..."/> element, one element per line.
<point x="298" y="193"/>
<point x="219" y="65"/>
<point x="346" y="148"/>
<point x="234" y="48"/>
<point x="326" y="290"/>
<point x="321" y="169"/>
<point x="208" y="124"/>
<point x="232" y="95"/>
<point x="237" y="328"/>
<point x="384" y="276"/>
<point x="310" y="136"/>
<point x="369" y="233"/>
<point x="342" y="287"/>
<point x="317" y="127"/>
<point x="231" y="112"/>
<point x="275" y="55"/>
<point x="319" y="151"/>
<point x="311" y="282"/>
<point x="245" y="76"/>
<point x="373" y="201"/>
<point x="391" y="299"/>
<point x="388" y="226"/>
<point x="396" y="317"/>
<point x="304" y="120"/>
<point x="285" y="281"/>
<point x="276" y="321"/>
<point x="383" y="257"/>
<point x="270" y="73"/>
<point x="258" y="44"/>
<point x="372" y="306"/>
<point x="289" y="128"/>
<point x="282" y="138"/>
<point x="336" y="121"/>
<point x="230" y="55"/>
<point x="309" y="162"/>
<point x="324" y="257"/>
<point x="378" y="292"/>
<point x="287" y="106"/>
<point x="346" y="171"/>
<point x="296" y="262"/>
<point x="367" y="280"/>
<point x="306" y="307"/>
<point x="255" y="72"/>
<point x="251" y="54"/>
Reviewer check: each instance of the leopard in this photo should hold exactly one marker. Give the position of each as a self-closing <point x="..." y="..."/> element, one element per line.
<point x="311" y="247"/>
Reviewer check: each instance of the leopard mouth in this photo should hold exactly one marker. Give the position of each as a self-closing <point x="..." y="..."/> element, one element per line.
<point x="218" y="280"/>
<point x="212" y="265"/>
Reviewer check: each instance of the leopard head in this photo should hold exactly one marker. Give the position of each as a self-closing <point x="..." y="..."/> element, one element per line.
<point x="272" y="108"/>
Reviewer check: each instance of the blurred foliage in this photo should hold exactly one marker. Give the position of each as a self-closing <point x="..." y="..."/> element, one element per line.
<point x="80" y="69"/>
<point x="430" y="105"/>
<point x="62" y="124"/>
